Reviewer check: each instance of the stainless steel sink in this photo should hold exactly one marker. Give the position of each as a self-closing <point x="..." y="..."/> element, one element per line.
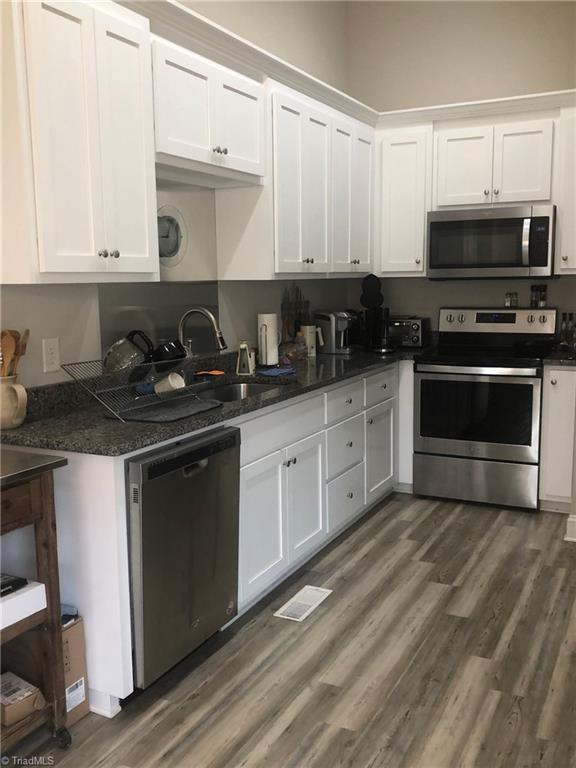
<point x="230" y="392"/>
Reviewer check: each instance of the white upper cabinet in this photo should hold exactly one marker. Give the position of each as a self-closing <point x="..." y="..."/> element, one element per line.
<point x="342" y="146"/>
<point x="91" y="122"/>
<point x="522" y="161"/>
<point x="127" y="141"/>
<point x="405" y="173"/>
<point x="207" y="113"/>
<point x="464" y="166"/>
<point x="61" y="60"/>
<point x="315" y="191"/>
<point x="565" y="261"/>
<point x="502" y="163"/>
<point x="362" y="199"/>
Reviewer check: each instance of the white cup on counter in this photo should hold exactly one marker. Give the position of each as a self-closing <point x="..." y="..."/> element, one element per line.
<point x="169" y="383"/>
<point x="310" y="332"/>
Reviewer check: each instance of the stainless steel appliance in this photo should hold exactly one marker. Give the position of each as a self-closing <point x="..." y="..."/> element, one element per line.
<point x="409" y="331"/>
<point x="492" y="242"/>
<point x="477" y="406"/>
<point x="335" y="328"/>
<point x="183" y="534"/>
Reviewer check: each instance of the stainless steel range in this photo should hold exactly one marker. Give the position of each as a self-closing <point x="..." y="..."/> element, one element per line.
<point x="477" y="406"/>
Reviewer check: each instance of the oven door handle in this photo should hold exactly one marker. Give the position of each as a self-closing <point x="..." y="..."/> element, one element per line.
<point x="526" y="243"/>
<point x="476" y="370"/>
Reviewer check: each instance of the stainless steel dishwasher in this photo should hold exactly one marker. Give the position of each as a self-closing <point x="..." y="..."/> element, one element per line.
<point x="183" y="534"/>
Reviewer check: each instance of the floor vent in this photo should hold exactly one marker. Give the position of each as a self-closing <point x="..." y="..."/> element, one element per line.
<point x="303" y="603"/>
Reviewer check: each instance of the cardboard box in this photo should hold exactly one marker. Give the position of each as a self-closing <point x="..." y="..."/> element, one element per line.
<point x="75" y="675"/>
<point x="18" y="699"/>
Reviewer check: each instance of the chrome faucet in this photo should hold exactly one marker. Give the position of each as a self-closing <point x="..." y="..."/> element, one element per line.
<point x="220" y="343"/>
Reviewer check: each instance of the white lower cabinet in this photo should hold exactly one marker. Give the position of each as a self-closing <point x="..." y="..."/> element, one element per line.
<point x="380" y="449"/>
<point x="263" y="554"/>
<point x="345" y="498"/>
<point x="305" y="491"/>
<point x="558" y="427"/>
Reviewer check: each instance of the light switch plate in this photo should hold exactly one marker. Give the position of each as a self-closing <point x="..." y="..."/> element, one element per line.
<point x="51" y="355"/>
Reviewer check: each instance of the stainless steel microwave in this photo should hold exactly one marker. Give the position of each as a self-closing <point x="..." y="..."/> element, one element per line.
<point x="492" y="242"/>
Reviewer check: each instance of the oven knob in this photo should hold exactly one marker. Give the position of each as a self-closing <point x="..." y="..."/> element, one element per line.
<point x="543" y="319"/>
<point x="531" y="318"/>
<point x="461" y="318"/>
<point x="450" y="318"/>
<point x="415" y="327"/>
<point x="415" y="339"/>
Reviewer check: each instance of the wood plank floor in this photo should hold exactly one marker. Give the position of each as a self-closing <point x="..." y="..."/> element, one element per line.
<point x="449" y="640"/>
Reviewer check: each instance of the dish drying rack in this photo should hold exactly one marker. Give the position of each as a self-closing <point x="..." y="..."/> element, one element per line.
<point x="118" y="392"/>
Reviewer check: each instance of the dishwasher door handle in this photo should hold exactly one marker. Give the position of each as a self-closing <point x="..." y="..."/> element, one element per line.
<point x="194" y="469"/>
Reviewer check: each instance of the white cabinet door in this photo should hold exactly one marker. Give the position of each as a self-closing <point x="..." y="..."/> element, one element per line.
<point x="566" y="222"/>
<point x="315" y="197"/>
<point x="464" y="166"/>
<point x="305" y="489"/>
<point x="263" y="553"/>
<point x="380" y="430"/>
<point x="65" y="135"/>
<point x="126" y="131"/>
<point x="361" y="200"/>
<point x="288" y="119"/>
<point x="182" y="94"/>
<point x="238" y="121"/>
<point x="558" y="429"/>
<point x="522" y="161"/>
<point x="342" y="151"/>
<point x="405" y="199"/>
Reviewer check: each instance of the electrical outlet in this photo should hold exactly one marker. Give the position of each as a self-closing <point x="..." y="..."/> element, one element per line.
<point x="51" y="355"/>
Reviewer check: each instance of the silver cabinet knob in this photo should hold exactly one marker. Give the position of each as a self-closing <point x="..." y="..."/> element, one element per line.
<point x="370" y="421"/>
<point x="486" y="192"/>
<point x="294" y="460"/>
<point x="287" y="463"/>
<point x="384" y="386"/>
<point x="553" y="382"/>
<point x="218" y="150"/>
<point x="496" y="191"/>
<point x="417" y="261"/>
<point x="350" y="495"/>
<point x="115" y="254"/>
<point x="225" y="151"/>
<point x="103" y="254"/>
<point x="564" y="258"/>
<point x="349" y="401"/>
<point x="349" y="444"/>
<point x="311" y="261"/>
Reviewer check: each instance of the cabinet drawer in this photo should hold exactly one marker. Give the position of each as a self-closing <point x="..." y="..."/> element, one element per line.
<point x="344" y="401"/>
<point x="381" y="386"/>
<point x="17" y="505"/>
<point x="345" y="445"/>
<point x="345" y="497"/>
<point x="265" y="434"/>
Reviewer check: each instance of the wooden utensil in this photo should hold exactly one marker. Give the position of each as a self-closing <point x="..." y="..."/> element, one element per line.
<point x="20" y="350"/>
<point x="8" y="351"/>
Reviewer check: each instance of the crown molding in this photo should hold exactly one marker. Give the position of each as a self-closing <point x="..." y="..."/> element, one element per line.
<point x="175" y="22"/>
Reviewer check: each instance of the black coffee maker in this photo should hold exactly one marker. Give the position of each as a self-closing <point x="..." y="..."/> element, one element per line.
<point x="376" y="317"/>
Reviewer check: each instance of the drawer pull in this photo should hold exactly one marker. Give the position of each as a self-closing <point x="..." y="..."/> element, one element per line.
<point x="287" y="463"/>
<point x="350" y="495"/>
<point x="553" y="382"/>
<point x="349" y="401"/>
<point x="294" y="460"/>
<point x="370" y="421"/>
<point x="384" y="386"/>
<point x="349" y="444"/>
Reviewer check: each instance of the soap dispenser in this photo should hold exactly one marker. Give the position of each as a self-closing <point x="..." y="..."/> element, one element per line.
<point x="246" y="362"/>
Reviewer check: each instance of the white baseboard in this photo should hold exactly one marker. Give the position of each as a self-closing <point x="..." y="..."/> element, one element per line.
<point x="403" y="488"/>
<point x="570" y="529"/>
<point x="563" y="507"/>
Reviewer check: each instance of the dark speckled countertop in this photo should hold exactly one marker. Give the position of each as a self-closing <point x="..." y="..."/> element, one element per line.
<point x="72" y="421"/>
<point x="561" y="358"/>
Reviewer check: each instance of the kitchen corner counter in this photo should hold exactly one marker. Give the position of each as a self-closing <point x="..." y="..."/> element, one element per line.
<point x="89" y="429"/>
<point x="561" y="359"/>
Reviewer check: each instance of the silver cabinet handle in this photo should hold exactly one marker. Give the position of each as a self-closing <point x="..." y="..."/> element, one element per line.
<point x="370" y="421"/>
<point x="287" y="463"/>
<point x="294" y="460"/>
<point x="311" y="261"/>
<point x="218" y="150"/>
<point x="496" y="191"/>
<point x="349" y="401"/>
<point x="553" y="382"/>
<point x="115" y="254"/>
<point x="349" y="444"/>
<point x="486" y="192"/>
<point x="564" y="258"/>
<point x="350" y="495"/>
<point x="417" y="261"/>
<point x="103" y="254"/>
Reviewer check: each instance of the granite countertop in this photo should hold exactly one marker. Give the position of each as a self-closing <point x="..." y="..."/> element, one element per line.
<point x="18" y="466"/>
<point x="73" y="421"/>
<point x="561" y="358"/>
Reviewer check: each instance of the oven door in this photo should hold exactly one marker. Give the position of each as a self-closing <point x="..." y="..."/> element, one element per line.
<point x="477" y="415"/>
<point x="481" y="243"/>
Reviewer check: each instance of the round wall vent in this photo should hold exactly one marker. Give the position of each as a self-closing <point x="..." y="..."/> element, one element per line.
<point x="172" y="236"/>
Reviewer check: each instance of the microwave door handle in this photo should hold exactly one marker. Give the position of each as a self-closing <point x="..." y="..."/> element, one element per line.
<point x="526" y="242"/>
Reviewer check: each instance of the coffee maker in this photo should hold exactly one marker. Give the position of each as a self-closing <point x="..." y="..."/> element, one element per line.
<point x="376" y="317"/>
<point x="336" y="327"/>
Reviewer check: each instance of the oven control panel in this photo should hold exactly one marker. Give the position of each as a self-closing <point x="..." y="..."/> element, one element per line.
<point x="532" y="321"/>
